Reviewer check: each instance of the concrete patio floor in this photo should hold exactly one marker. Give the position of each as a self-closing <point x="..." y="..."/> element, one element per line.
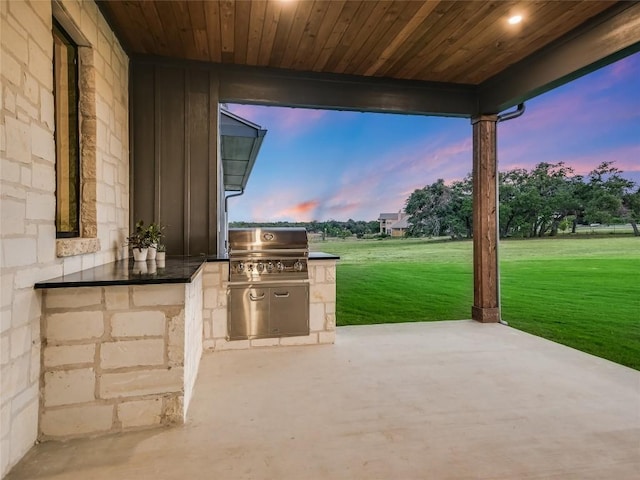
<point x="443" y="400"/>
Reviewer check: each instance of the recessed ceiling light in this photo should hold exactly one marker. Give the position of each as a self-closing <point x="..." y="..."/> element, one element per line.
<point x="515" y="19"/>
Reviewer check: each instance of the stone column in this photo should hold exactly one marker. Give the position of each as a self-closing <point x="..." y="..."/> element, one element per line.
<point x="486" y="302"/>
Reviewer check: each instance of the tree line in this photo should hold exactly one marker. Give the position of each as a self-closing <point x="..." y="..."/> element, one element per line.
<point x="532" y="203"/>
<point x="329" y="228"/>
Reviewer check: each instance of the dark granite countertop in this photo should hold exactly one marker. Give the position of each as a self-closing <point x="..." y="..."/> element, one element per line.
<point x="128" y="272"/>
<point x="218" y="258"/>
<point x="322" y="256"/>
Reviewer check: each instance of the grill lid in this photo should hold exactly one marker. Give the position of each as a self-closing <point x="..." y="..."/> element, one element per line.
<point x="272" y="239"/>
<point x="267" y="255"/>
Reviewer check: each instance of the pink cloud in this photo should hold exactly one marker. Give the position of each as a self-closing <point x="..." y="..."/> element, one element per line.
<point x="270" y="207"/>
<point x="283" y="205"/>
<point x="621" y="70"/>
<point x="343" y="210"/>
<point x="626" y="158"/>
<point x="583" y="103"/>
<point x="568" y="114"/>
<point x="390" y="179"/>
<point x="300" y="211"/>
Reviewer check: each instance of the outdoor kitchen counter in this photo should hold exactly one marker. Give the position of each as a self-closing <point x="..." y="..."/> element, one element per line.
<point x="121" y="346"/>
<point x="128" y="272"/>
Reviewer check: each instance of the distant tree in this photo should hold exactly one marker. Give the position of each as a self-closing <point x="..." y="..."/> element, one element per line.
<point x="551" y="195"/>
<point x="344" y="233"/>
<point x="462" y="208"/>
<point x="533" y="203"/>
<point x="564" y="224"/>
<point x="514" y="206"/>
<point x="581" y="195"/>
<point x="631" y="209"/>
<point x="606" y="191"/>
<point x="314" y="227"/>
<point x="358" y="228"/>
<point x="373" y="227"/>
<point x="439" y="209"/>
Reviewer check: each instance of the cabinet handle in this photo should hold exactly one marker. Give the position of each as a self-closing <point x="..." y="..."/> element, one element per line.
<point x="260" y="297"/>
<point x="281" y="295"/>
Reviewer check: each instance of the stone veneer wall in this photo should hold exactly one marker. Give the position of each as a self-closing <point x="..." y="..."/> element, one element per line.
<point x="322" y="314"/>
<point x="27" y="186"/>
<point x="192" y="337"/>
<point x="119" y="358"/>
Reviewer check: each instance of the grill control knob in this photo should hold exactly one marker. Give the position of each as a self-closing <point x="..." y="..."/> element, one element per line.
<point x="298" y="266"/>
<point x="280" y="266"/>
<point x="260" y="267"/>
<point x="270" y="267"/>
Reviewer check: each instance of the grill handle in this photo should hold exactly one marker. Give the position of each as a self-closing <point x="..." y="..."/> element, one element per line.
<point x="255" y="299"/>
<point x="281" y="295"/>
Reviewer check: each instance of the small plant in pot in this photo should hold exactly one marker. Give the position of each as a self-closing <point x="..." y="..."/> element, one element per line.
<point x="155" y="232"/>
<point x="161" y="252"/>
<point x="139" y="242"/>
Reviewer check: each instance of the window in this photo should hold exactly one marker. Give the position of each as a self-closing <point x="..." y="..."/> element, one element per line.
<point x="65" y="88"/>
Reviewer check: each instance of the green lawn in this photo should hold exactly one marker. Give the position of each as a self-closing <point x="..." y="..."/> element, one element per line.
<point x="582" y="292"/>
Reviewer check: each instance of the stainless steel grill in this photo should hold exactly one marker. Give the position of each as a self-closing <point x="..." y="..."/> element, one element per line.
<point x="268" y="283"/>
<point x="266" y="255"/>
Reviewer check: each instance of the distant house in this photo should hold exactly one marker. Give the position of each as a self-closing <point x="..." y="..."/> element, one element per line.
<point x="394" y="224"/>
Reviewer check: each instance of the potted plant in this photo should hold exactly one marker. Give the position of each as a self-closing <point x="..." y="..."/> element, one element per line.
<point x="161" y="252"/>
<point x="139" y="242"/>
<point x="154" y="234"/>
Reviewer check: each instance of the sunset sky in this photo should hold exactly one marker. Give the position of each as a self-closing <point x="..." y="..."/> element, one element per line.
<point x="321" y="165"/>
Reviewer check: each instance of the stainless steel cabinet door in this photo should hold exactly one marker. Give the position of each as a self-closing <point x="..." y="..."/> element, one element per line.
<point x="248" y="313"/>
<point x="289" y="310"/>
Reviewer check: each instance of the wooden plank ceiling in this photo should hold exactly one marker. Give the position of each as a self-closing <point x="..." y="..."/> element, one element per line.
<point x="464" y="42"/>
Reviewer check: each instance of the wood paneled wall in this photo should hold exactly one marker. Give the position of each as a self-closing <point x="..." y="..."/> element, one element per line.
<point x="174" y="155"/>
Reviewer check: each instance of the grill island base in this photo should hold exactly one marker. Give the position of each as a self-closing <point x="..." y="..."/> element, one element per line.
<point x="259" y="311"/>
<point x="268" y="294"/>
<point x="121" y="350"/>
<point x="322" y="307"/>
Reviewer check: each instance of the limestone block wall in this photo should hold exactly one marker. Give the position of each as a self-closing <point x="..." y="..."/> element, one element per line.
<point x="27" y="186"/>
<point x="118" y="358"/>
<point x="192" y="337"/>
<point x="322" y="309"/>
<point x="322" y="299"/>
<point x="214" y="304"/>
